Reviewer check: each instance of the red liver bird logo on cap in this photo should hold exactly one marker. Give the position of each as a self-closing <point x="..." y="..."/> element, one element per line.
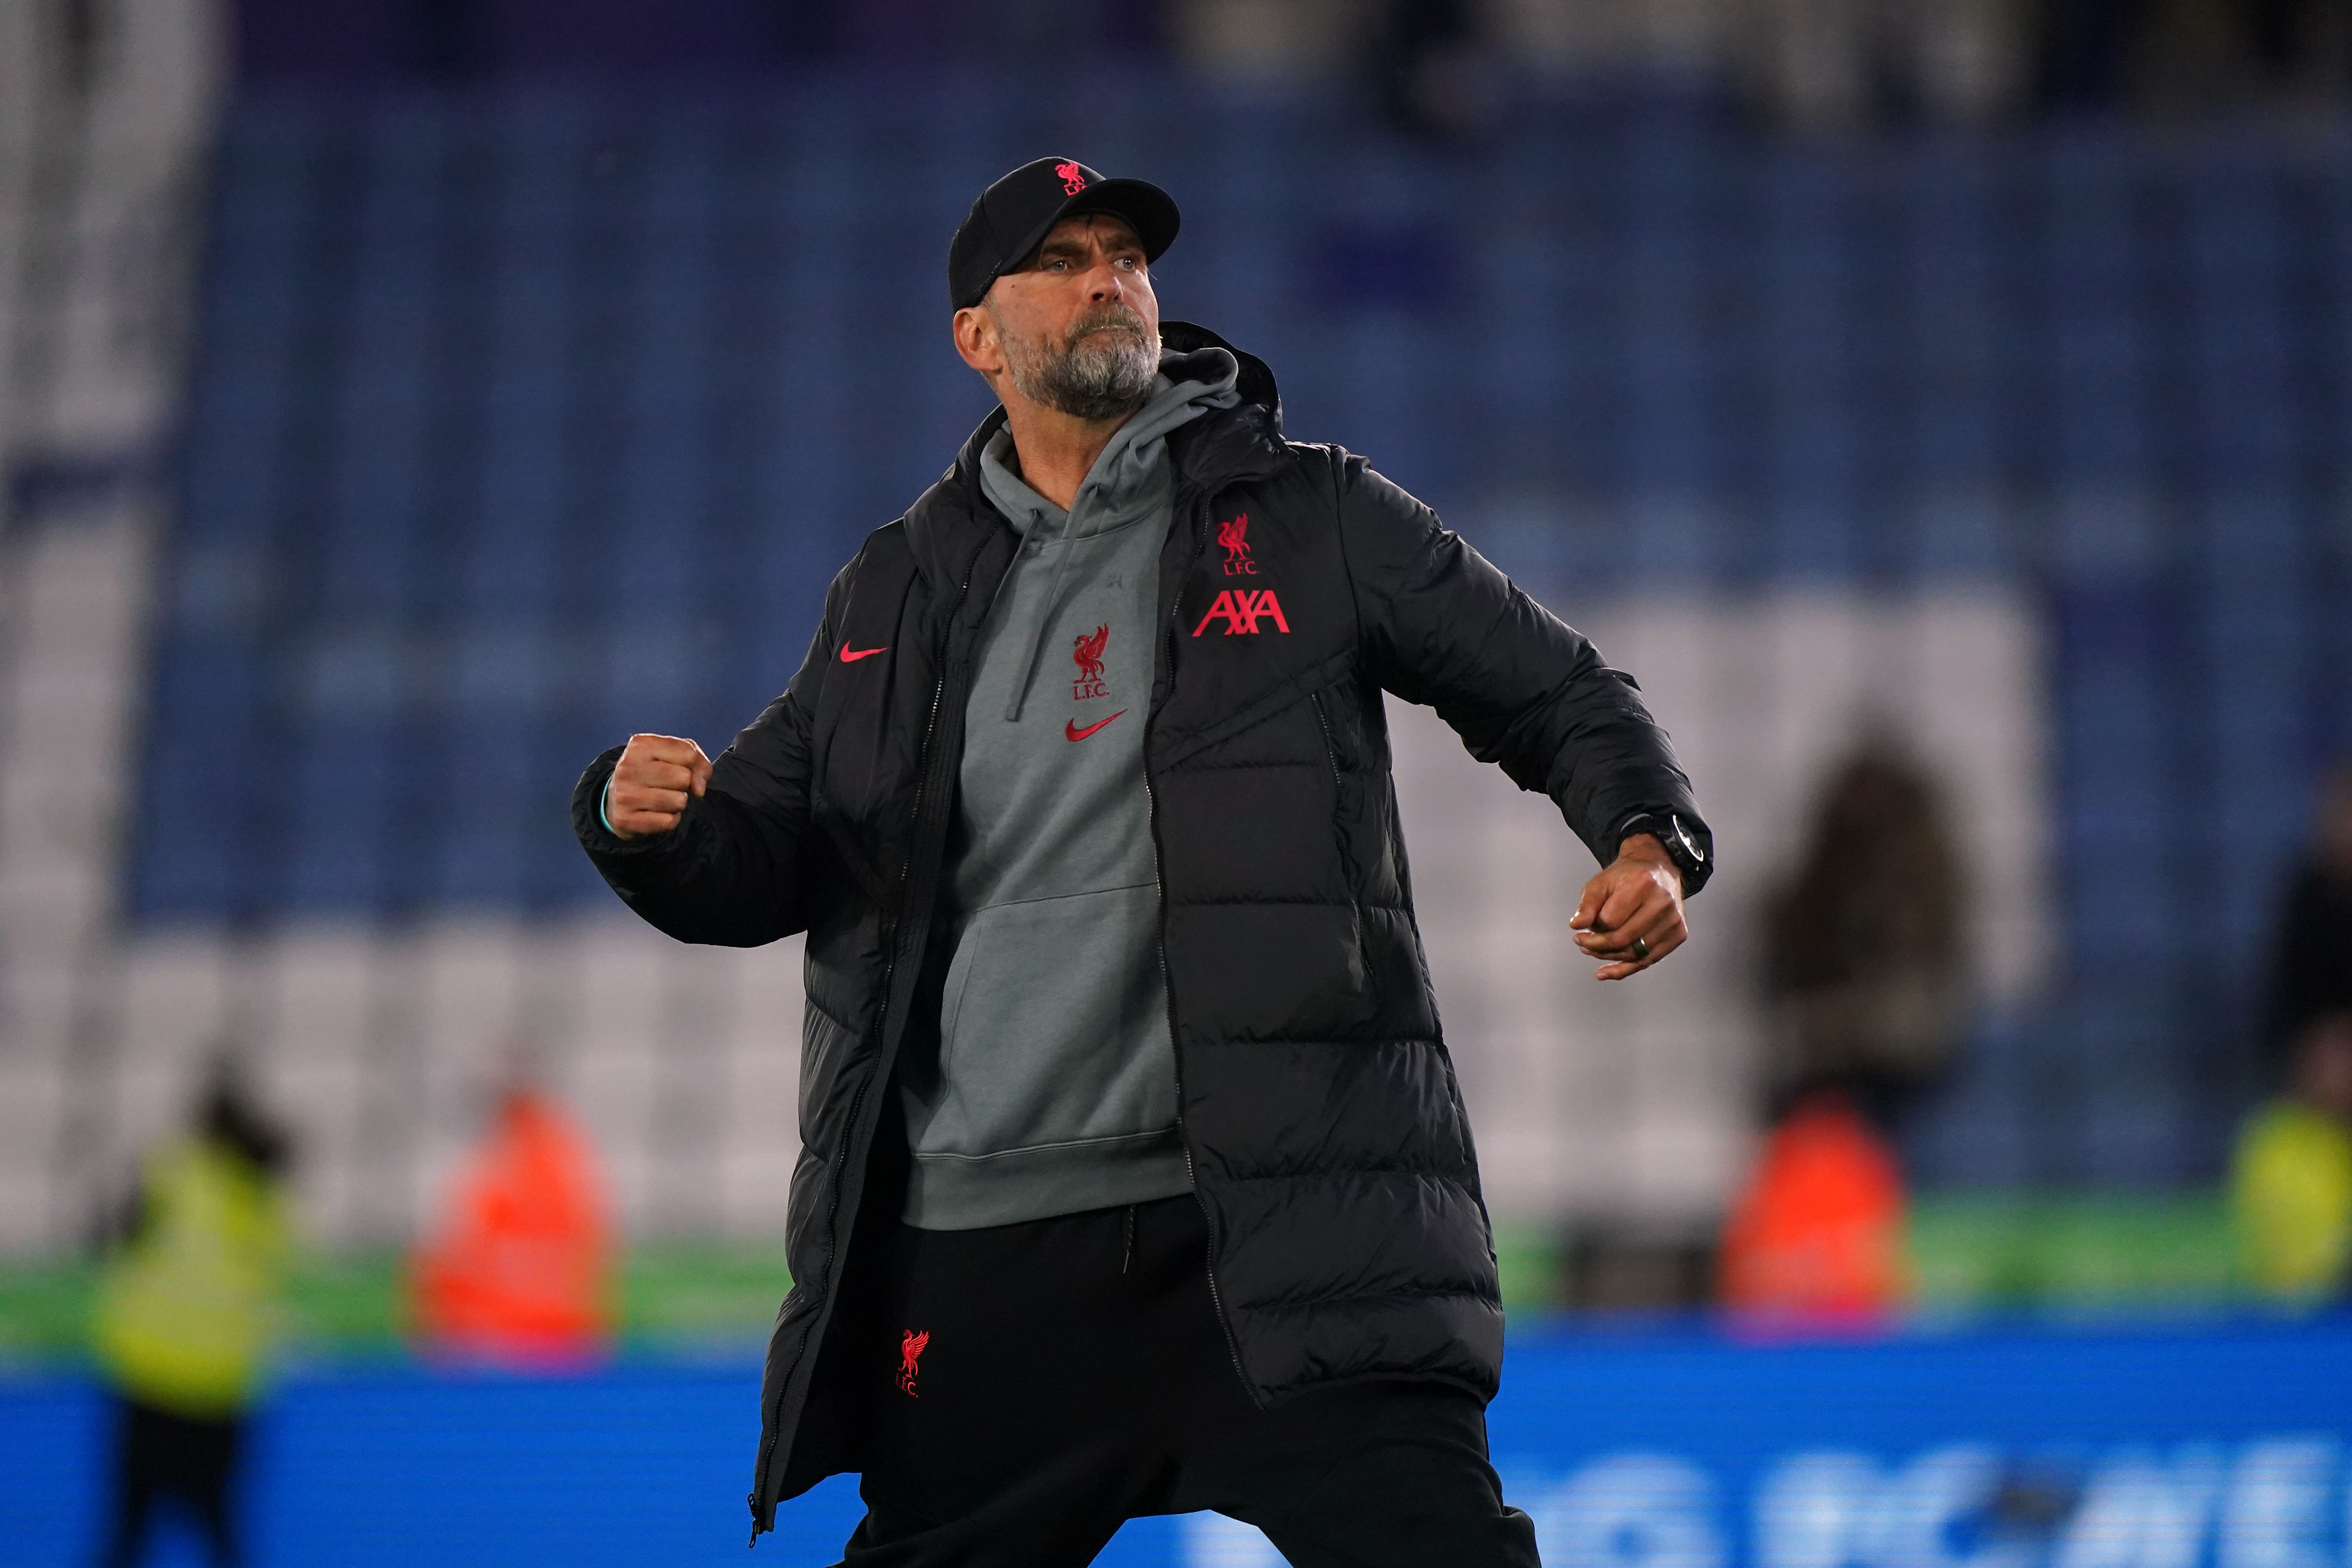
<point x="1073" y="178"/>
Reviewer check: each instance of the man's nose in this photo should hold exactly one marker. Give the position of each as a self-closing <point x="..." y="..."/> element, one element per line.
<point x="1105" y="283"/>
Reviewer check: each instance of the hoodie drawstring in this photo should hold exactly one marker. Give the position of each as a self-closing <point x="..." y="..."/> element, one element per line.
<point x="1172" y="405"/>
<point x="1044" y="622"/>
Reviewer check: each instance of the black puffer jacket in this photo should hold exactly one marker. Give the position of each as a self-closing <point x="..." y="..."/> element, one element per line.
<point x="1318" y="1108"/>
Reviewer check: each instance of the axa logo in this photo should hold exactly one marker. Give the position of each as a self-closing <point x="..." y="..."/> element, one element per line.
<point x="910" y="1350"/>
<point x="1241" y="609"/>
<point x="1073" y="178"/>
<point x="1233" y="538"/>
<point x="1088" y="657"/>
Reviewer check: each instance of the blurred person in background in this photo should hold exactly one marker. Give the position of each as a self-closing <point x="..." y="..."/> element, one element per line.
<point x="1135" y="1179"/>
<point x="519" y="1269"/>
<point x="2292" y="1187"/>
<point x="2312" y="949"/>
<point x="1864" y="976"/>
<point x="2291" y="1191"/>
<point x="1864" y="960"/>
<point x="185" y="1315"/>
<point x="1816" y="1235"/>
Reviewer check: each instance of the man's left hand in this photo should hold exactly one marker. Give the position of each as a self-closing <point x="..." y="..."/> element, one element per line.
<point x="1632" y="913"/>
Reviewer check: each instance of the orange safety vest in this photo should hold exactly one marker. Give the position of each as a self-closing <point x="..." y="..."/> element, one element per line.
<point x="518" y="1268"/>
<point x="1818" y="1235"/>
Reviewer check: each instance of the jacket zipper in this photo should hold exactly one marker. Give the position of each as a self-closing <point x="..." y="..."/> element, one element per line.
<point x="1331" y="756"/>
<point x="1331" y="748"/>
<point x="1175" y="1051"/>
<point x="858" y="1101"/>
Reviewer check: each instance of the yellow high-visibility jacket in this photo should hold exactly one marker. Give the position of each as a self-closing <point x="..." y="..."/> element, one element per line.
<point x="2290" y="1195"/>
<point x="185" y="1313"/>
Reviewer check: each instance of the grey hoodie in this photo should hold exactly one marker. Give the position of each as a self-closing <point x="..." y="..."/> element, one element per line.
<point x="1054" y="1089"/>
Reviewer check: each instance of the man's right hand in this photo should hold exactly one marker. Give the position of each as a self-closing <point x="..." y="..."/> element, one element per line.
<point x="654" y="778"/>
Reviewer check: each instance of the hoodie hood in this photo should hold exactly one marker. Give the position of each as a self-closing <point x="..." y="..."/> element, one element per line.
<point x="1129" y="483"/>
<point x="951" y="521"/>
<point x="1188" y="386"/>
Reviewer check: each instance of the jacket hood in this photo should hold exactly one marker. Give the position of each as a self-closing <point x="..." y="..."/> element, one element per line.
<point x="949" y="522"/>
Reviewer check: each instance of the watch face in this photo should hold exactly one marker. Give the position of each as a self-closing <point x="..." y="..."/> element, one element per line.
<point x="1690" y="845"/>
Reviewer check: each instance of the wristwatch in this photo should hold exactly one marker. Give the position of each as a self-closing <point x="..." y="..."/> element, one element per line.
<point x="1686" y="843"/>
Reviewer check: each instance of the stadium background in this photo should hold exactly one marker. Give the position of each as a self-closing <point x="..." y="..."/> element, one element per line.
<point x="405" y="401"/>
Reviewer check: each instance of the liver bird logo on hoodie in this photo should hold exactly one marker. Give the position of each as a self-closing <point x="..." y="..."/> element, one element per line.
<point x="1088" y="658"/>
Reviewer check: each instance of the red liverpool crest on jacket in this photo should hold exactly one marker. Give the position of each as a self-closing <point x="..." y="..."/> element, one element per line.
<point x="1233" y="538"/>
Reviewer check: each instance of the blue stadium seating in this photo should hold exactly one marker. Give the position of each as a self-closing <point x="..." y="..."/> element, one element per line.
<point x="522" y="413"/>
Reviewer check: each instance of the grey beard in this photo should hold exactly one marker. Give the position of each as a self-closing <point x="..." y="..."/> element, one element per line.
<point x="1096" y="376"/>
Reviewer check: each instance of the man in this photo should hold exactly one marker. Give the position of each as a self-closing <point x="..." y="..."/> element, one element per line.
<point x="2291" y="1188"/>
<point x="518" y="1269"/>
<point x="1134" y="1175"/>
<point x="2312" y="965"/>
<point x="184" y="1315"/>
<point x="2291" y="1183"/>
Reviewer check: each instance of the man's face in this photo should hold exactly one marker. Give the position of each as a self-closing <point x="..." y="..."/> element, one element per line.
<point x="1076" y="328"/>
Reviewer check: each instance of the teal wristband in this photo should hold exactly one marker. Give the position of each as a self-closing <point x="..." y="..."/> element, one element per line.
<point x="602" y="796"/>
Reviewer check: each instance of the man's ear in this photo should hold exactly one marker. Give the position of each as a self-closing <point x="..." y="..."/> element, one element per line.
<point x="975" y="333"/>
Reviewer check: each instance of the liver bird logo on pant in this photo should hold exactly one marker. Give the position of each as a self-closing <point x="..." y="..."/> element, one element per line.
<point x="910" y="1350"/>
<point x="1089" y="655"/>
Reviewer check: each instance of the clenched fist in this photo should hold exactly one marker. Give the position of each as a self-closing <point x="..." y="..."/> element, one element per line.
<point x="651" y="784"/>
<point x="1632" y="913"/>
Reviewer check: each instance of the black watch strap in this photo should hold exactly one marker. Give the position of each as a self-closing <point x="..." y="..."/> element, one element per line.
<point x="1687" y="844"/>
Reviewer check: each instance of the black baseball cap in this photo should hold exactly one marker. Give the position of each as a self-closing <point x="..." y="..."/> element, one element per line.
<point x="1014" y="216"/>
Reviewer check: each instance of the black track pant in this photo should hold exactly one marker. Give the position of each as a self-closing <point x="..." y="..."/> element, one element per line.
<point x="1027" y="1388"/>
<point x="159" y="1456"/>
